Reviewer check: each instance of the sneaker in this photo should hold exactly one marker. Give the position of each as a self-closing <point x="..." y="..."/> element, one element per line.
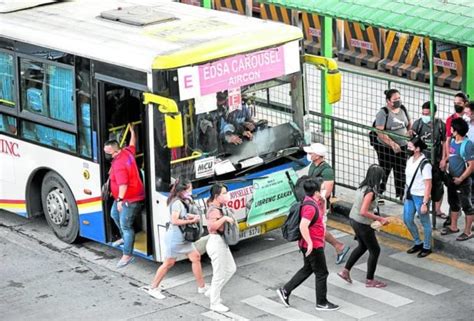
<point x="283" y="297"/>
<point x="375" y="284"/>
<point x="118" y="242"/>
<point x="327" y="307"/>
<point x="415" y="248"/>
<point x="208" y="293"/>
<point x="219" y="308"/>
<point x="123" y="263"/>
<point x="424" y="253"/>
<point x="204" y="289"/>
<point x="340" y="257"/>
<point x="154" y="292"/>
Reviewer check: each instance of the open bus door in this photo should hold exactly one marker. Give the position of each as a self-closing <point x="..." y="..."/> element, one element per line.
<point x="120" y="107"/>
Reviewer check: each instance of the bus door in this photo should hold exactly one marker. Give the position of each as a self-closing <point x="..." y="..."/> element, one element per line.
<point x="120" y="107"/>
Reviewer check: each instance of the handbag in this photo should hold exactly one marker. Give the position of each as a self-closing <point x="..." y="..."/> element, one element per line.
<point x="407" y="195"/>
<point x="231" y="230"/>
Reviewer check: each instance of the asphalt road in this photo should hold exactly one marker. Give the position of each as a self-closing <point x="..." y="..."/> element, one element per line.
<point x="45" y="279"/>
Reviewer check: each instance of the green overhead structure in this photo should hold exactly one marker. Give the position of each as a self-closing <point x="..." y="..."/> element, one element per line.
<point x="450" y="21"/>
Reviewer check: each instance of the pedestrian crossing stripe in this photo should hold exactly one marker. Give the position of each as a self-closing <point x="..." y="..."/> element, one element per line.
<point x="406" y="280"/>
<point x="377" y="294"/>
<point x="223" y="316"/>
<point x="436" y="267"/>
<point x="264" y="304"/>
<point x="347" y="308"/>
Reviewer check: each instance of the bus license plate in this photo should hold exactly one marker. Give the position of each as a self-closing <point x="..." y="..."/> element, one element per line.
<point x="250" y="232"/>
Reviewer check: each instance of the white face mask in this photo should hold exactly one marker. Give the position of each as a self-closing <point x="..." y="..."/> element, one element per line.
<point x="466" y="118"/>
<point x="426" y="119"/>
<point x="308" y="157"/>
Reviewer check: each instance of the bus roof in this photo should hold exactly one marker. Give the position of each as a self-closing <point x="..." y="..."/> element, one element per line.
<point x="189" y="35"/>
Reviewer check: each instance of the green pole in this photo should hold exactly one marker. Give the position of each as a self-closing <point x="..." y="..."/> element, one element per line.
<point x="207" y="4"/>
<point x="432" y="94"/>
<point x="469" y="73"/>
<point x="326" y="51"/>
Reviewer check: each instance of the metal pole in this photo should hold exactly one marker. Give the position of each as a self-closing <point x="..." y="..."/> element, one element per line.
<point x="432" y="92"/>
<point x="469" y="73"/>
<point x="207" y="4"/>
<point x="326" y="51"/>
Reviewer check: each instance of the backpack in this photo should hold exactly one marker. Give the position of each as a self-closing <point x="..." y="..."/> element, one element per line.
<point x="373" y="134"/>
<point x="191" y="232"/>
<point x="231" y="230"/>
<point x="291" y="227"/>
<point x="458" y="159"/>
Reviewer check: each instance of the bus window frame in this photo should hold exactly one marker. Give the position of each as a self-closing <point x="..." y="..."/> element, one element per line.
<point x="12" y="111"/>
<point x="43" y="120"/>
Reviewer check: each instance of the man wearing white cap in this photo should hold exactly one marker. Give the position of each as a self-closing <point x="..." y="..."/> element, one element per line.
<point x="319" y="168"/>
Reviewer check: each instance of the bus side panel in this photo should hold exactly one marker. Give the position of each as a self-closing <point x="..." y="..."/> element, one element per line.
<point x="21" y="159"/>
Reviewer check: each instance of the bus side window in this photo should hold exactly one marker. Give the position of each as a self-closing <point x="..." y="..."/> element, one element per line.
<point x="8" y="124"/>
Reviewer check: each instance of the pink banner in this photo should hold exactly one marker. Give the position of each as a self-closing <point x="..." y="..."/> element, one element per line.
<point x="241" y="70"/>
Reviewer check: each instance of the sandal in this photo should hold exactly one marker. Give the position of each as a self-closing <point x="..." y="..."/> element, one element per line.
<point x="345" y="276"/>
<point x="463" y="237"/>
<point x="442" y="215"/>
<point x="375" y="284"/>
<point x="447" y="231"/>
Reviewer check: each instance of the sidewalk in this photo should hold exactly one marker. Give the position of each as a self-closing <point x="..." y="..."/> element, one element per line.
<point x="447" y="244"/>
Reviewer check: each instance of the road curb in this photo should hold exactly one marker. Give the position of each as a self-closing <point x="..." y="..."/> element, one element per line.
<point x="463" y="251"/>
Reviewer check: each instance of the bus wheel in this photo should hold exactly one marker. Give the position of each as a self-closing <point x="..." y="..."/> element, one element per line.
<point x="60" y="208"/>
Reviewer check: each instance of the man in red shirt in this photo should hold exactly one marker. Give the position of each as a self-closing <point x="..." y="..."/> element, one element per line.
<point x="311" y="244"/>
<point x="127" y="190"/>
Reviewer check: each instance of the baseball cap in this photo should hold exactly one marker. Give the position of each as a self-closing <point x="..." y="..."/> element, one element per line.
<point x="316" y="148"/>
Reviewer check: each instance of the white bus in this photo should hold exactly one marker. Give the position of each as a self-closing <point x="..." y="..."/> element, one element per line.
<point x="74" y="74"/>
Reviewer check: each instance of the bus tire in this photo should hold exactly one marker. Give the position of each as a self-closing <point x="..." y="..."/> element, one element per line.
<point x="60" y="208"/>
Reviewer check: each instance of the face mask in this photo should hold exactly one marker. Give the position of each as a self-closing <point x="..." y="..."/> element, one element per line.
<point x="458" y="108"/>
<point x="410" y="152"/>
<point x="308" y="157"/>
<point x="187" y="195"/>
<point x="425" y="119"/>
<point x="397" y="103"/>
<point x="108" y="157"/>
<point x="466" y="118"/>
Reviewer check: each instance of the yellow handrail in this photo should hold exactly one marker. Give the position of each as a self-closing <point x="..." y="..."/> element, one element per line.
<point x="7" y="102"/>
<point x="114" y="129"/>
<point x="194" y="155"/>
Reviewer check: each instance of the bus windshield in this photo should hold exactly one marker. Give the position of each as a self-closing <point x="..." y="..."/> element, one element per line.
<point x="237" y="130"/>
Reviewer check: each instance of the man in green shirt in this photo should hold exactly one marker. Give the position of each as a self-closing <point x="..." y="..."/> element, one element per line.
<point x="320" y="169"/>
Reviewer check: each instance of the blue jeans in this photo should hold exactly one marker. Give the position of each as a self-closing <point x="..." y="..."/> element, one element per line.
<point x="409" y="209"/>
<point x="124" y="221"/>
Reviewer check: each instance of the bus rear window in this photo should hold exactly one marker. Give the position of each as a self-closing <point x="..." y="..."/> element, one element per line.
<point x="7" y="86"/>
<point x="48" y="136"/>
<point x="48" y="90"/>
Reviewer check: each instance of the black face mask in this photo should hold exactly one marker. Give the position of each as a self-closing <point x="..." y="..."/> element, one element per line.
<point x="410" y="152"/>
<point x="397" y="104"/>
<point x="458" y="108"/>
<point x="108" y="157"/>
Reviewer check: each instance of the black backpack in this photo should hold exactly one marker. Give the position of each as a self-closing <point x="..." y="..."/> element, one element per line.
<point x="291" y="227"/>
<point x="373" y="134"/>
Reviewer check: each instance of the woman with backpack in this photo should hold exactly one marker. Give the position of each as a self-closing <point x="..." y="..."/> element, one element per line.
<point x="362" y="215"/>
<point x="179" y="201"/>
<point x="223" y="265"/>
<point x="392" y="150"/>
<point x="417" y="197"/>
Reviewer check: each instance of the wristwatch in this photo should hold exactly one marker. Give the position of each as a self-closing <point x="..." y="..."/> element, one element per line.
<point x="425" y="203"/>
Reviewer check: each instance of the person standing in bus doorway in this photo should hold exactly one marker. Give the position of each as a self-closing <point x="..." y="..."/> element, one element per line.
<point x="391" y="150"/>
<point x="223" y="265"/>
<point x="312" y="246"/>
<point x="179" y="201"/>
<point x="424" y="128"/>
<point x="362" y="215"/>
<point x="127" y="190"/>
<point x="320" y="169"/>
